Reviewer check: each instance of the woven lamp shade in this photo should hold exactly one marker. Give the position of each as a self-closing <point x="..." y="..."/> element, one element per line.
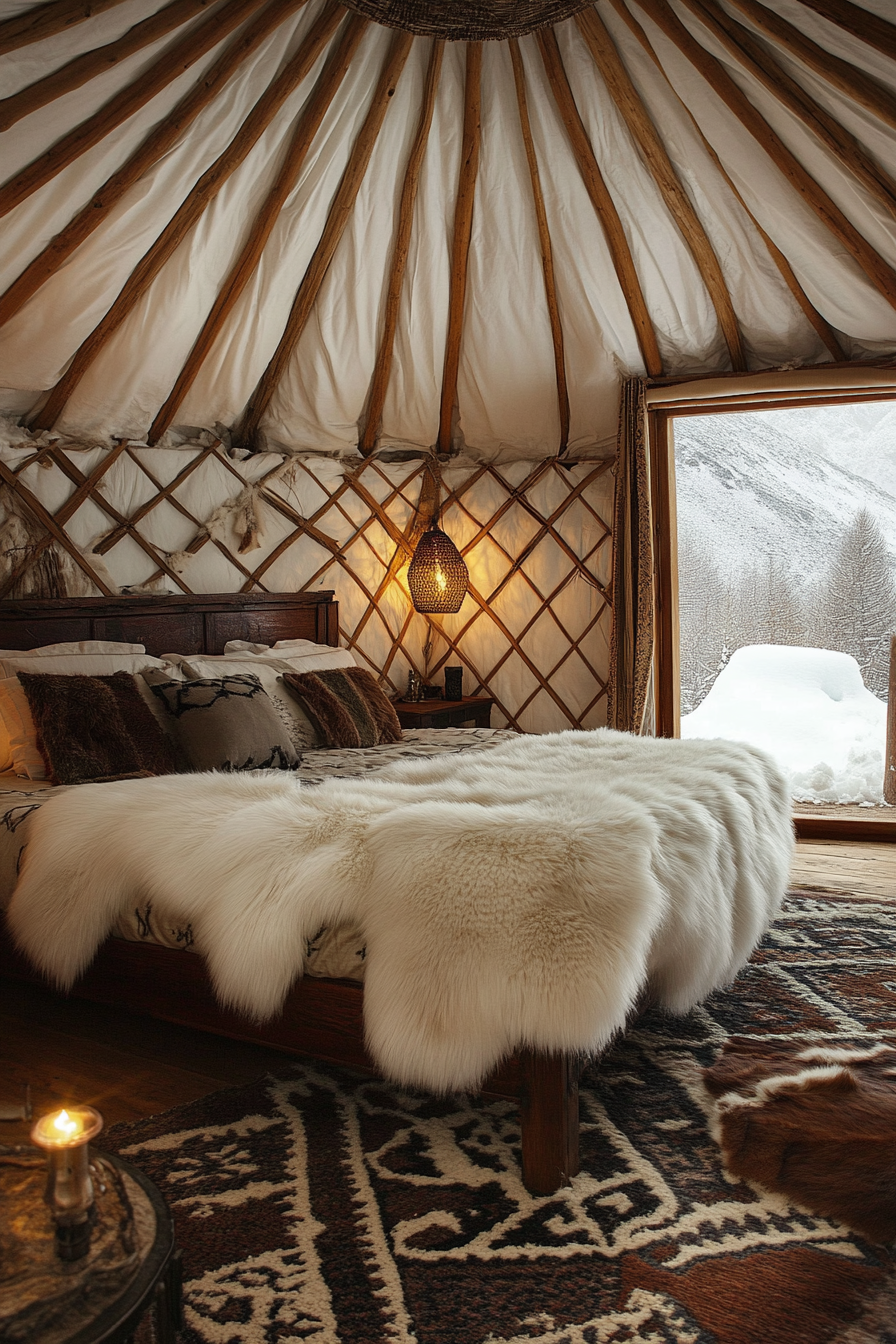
<point x="437" y="575"/>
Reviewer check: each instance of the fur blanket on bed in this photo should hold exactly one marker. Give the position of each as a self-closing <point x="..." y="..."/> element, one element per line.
<point x="521" y="896"/>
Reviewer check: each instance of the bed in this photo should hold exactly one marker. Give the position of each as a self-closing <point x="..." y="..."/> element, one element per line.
<point x="613" y="868"/>
<point x="322" y="1016"/>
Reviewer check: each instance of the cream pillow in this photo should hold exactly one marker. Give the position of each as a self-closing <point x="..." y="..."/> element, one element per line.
<point x="18" y="736"/>
<point x="284" y="648"/>
<point x="81" y="664"/>
<point x="80" y="646"/>
<point x="269" y="672"/>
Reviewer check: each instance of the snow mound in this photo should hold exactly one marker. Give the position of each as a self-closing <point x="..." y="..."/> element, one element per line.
<point x="810" y="710"/>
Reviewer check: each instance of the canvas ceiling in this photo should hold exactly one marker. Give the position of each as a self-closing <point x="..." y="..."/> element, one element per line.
<point x="672" y="187"/>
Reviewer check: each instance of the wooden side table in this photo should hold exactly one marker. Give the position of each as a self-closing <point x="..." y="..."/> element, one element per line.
<point x="475" y="709"/>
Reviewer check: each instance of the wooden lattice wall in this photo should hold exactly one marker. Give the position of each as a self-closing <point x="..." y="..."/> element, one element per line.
<point x="533" y="631"/>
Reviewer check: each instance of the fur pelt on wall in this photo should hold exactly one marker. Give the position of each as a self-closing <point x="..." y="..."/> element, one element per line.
<point x="524" y="895"/>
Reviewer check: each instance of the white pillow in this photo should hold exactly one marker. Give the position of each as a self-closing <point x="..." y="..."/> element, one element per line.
<point x="18" y="736"/>
<point x="303" y="655"/>
<point x="78" y="664"/>
<point x="269" y="671"/>
<point x="79" y="646"/>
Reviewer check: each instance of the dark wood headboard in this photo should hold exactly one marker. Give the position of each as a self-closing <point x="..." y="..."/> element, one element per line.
<point x="185" y="623"/>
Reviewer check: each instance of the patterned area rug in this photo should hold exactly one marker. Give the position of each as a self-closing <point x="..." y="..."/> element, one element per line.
<point x="325" y="1207"/>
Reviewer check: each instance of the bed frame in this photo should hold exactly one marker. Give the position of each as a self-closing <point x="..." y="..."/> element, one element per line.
<point x="322" y="1018"/>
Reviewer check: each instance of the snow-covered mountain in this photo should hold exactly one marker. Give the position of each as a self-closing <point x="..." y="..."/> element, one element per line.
<point x="777" y="483"/>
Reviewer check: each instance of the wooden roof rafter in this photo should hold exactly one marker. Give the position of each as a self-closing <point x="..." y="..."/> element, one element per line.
<point x="124" y="104"/>
<point x="190" y="211"/>
<point x="46" y="20"/>
<point x="382" y="370"/>
<point x="547" y="254"/>
<point x="160" y="140"/>
<point x="603" y="203"/>
<point x="654" y="154"/>
<point x="854" y="83"/>
<point x="97" y="61"/>
<point x="861" y="23"/>
<point x="763" y="67"/>
<point x="248" y="433"/>
<point x="460" y="248"/>
<point x="878" y="271"/>
<point x="242" y="270"/>
<point x="823" y="329"/>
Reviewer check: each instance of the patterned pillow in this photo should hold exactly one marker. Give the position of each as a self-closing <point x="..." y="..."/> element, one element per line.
<point x="226" y="723"/>
<point x="301" y="731"/>
<point x="346" y="705"/>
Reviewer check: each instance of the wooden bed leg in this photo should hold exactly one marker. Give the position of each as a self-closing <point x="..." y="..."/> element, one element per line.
<point x="549" y="1114"/>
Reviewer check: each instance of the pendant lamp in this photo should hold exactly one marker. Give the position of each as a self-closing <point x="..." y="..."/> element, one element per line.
<point x="437" y="575"/>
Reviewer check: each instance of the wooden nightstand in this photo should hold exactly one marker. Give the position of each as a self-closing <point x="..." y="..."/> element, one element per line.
<point x="475" y="709"/>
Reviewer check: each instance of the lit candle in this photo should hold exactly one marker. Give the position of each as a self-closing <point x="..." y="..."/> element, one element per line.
<point x="64" y="1135"/>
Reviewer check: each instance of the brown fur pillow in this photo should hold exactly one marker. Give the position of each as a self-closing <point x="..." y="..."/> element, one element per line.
<point x="92" y="728"/>
<point x="346" y="705"/>
<point x="335" y="707"/>
<point x="379" y="704"/>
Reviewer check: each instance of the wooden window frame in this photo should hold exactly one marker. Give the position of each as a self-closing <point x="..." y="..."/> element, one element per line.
<point x="671" y="403"/>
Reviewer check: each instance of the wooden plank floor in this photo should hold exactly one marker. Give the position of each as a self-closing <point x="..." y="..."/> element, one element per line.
<point x="131" y="1066"/>
<point x="846" y="867"/>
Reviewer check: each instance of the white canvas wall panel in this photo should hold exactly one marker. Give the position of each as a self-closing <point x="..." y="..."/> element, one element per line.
<point x="684" y="319"/>
<point x="770" y="319"/>
<point x="252" y="334"/>
<point x="507" y="386"/>
<point x="25" y="65"/>
<point x="133" y="376"/>
<point x="516" y="604"/>
<point x="598" y="334"/>
<point x="411" y="409"/>
<point x="835" y="284"/>
<point x="214" y="494"/>
<point x="298" y="567"/>
<point x="321" y="399"/>
<point x="860" y="206"/>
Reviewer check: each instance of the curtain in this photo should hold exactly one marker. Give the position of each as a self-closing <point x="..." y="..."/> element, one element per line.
<point x="631" y="707"/>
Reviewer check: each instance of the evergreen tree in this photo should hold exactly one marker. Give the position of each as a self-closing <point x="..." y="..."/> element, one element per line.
<point x="857" y="608"/>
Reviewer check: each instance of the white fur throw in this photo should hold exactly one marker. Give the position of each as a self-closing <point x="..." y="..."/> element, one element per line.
<point x="520" y="896"/>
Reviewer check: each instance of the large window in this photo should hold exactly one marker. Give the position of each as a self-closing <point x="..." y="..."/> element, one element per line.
<point x="777" y="584"/>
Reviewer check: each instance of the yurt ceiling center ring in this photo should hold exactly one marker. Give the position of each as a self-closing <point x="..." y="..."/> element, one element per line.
<point x="468" y="20"/>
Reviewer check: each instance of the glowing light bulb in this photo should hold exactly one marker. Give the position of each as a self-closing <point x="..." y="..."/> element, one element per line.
<point x="441" y="581"/>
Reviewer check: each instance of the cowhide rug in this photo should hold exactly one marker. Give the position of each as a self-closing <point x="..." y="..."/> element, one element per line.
<point x="326" y="1207"/>
<point x="817" y="1122"/>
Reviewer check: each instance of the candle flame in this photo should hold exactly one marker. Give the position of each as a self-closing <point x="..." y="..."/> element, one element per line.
<point x="66" y="1124"/>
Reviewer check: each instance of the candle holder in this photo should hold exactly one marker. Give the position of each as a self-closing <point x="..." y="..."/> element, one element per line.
<point x="64" y="1136"/>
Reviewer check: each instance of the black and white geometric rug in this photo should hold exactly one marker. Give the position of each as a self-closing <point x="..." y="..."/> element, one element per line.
<point x="323" y="1206"/>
